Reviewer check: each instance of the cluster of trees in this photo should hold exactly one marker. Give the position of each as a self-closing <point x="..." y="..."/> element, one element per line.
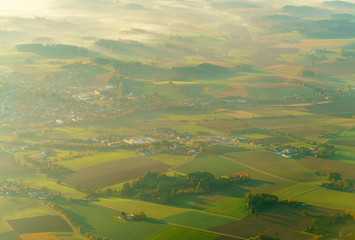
<point x="155" y="187"/>
<point x="331" y="92"/>
<point x="261" y="236"/>
<point x="296" y="138"/>
<point x="260" y="201"/>
<point x="305" y="72"/>
<point x="42" y="166"/>
<point x="54" y="50"/>
<point x="337" y="182"/>
<point x="178" y="88"/>
<point x="296" y="82"/>
<point x="324" y="152"/>
<point x="140" y="215"/>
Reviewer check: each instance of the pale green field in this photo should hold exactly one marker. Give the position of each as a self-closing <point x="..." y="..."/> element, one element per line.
<point x="194" y="128"/>
<point x="177" y="232"/>
<point x="230" y="206"/>
<point x="152" y="210"/>
<point x="16" y="208"/>
<point x="77" y="132"/>
<point x="69" y="236"/>
<point x="211" y="163"/>
<point x="119" y="186"/>
<point x="254" y="135"/>
<point x="293" y="58"/>
<point x="292" y="35"/>
<point x="296" y="189"/>
<point x="102" y="221"/>
<point x="96" y="159"/>
<point x="201" y="220"/>
<point x="4" y="226"/>
<point x="344" y="154"/>
<point x="54" y="187"/>
<point x="329" y="198"/>
<point x="172" y="159"/>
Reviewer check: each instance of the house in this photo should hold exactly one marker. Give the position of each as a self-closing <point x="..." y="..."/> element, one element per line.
<point x="59" y="121"/>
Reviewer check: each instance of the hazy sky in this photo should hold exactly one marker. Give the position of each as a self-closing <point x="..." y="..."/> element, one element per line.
<point x="54" y="8"/>
<point x="67" y="19"/>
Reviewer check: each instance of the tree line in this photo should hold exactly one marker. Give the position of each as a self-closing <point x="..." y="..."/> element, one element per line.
<point x="54" y="50"/>
<point x="160" y="188"/>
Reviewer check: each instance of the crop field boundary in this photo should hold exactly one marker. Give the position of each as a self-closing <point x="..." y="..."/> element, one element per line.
<point x="194" y="228"/>
<point x="261" y="171"/>
<point x="63" y="217"/>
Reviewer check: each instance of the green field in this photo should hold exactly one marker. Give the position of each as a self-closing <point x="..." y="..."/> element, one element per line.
<point x="211" y="163"/>
<point x="344" y="154"/>
<point x="329" y="198"/>
<point x="52" y="186"/>
<point x="152" y="210"/>
<point x="177" y="232"/>
<point x="4" y="226"/>
<point x="194" y="75"/>
<point x="296" y="189"/>
<point x="17" y="208"/>
<point x="101" y="221"/>
<point x="173" y="160"/>
<point x="230" y="206"/>
<point x="268" y="162"/>
<point x="12" y="235"/>
<point x="198" y="219"/>
<point x="96" y="159"/>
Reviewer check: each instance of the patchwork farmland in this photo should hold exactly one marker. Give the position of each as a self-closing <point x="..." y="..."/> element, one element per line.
<point x="204" y="119"/>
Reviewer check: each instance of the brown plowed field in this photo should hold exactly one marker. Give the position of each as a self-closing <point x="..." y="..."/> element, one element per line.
<point x="324" y="166"/>
<point x="8" y="166"/>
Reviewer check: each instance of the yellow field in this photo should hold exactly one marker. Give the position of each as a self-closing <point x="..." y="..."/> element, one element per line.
<point x="39" y="236"/>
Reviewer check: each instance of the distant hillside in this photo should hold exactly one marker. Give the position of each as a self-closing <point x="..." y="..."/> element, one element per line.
<point x="321" y="29"/>
<point x="339" y="4"/>
<point x="326" y="29"/>
<point x="343" y="16"/>
<point x="281" y="18"/>
<point x="306" y="11"/>
<point x="233" y="4"/>
<point x="203" y="71"/>
<point x="128" y="47"/>
<point x="134" y="6"/>
<point x="351" y="46"/>
<point x="55" y="50"/>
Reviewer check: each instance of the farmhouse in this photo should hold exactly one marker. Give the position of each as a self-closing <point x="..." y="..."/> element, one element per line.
<point x="59" y="121"/>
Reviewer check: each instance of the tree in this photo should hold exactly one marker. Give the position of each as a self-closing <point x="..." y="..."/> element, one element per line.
<point x="140" y="215"/>
<point x="109" y="191"/>
<point x="333" y="176"/>
<point x="207" y="90"/>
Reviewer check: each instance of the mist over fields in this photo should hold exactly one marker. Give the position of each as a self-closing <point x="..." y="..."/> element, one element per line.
<point x="177" y="119"/>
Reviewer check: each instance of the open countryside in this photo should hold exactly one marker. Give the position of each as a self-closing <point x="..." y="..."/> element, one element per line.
<point x="191" y="120"/>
